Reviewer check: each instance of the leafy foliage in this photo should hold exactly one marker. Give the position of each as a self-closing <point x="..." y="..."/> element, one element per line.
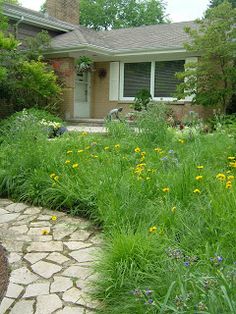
<point x="112" y="14"/>
<point x="142" y="99"/>
<point x="215" y="3"/>
<point x="212" y="79"/>
<point x="25" y="80"/>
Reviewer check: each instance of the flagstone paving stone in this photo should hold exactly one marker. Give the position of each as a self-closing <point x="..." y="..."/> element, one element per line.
<point x="5" y="305"/>
<point x="23" y="306"/>
<point x="35" y="257"/>
<point x="49" y="273"/>
<point x="45" y="269"/>
<point x="61" y="284"/>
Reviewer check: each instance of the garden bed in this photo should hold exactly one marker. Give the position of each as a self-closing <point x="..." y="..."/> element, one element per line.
<point x="165" y="201"/>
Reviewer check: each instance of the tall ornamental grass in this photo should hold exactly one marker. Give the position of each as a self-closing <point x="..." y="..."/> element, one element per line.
<point x="166" y="205"/>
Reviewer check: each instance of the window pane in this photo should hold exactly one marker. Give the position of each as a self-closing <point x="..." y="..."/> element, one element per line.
<point x="165" y="79"/>
<point x="136" y="76"/>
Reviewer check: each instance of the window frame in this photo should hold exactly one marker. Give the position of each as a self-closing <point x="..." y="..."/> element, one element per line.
<point x="152" y="81"/>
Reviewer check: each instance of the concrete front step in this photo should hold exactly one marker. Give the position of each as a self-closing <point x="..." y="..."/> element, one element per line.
<point x="86" y="122"/>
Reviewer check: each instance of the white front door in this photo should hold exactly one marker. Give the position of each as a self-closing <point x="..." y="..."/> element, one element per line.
<point x="82" y="95"/>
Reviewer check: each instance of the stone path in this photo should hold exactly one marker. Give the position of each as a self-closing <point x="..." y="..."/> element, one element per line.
<point x="51" y="257"/>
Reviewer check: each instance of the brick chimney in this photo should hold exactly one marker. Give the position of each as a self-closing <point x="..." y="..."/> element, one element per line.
<point x="65" y="10"/>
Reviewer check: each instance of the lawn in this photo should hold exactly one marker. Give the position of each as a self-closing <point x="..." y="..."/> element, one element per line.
<point x="165" y="202"/>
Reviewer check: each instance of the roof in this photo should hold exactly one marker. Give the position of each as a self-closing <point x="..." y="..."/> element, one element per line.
<point x="36" y="18"/>
<point x="160" y="37"/>
<point x="154" y="37"/>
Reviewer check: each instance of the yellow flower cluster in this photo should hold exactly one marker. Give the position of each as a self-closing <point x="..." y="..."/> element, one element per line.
<point x="54" y="177"/>
<point x="228" y="185"/>
<point x="198" y="178"/>
<point x="221" y="176"/>
<point x="153" y="229"/>
<point x="139" y="168"/>
<point x="166" y="190"/>
<point x="158" y="150"/>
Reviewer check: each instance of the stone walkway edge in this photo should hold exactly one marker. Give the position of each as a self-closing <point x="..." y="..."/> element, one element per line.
<point x="51" y="257"/>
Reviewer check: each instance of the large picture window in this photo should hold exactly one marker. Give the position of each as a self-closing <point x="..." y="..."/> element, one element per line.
<point x="165" y="77"/>
<point x="157" y="77"/>
<point x="136" y="76"/>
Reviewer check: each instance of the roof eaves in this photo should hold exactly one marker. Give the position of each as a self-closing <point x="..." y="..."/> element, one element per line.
<point x="36" y="20"/>
<point x="116" y="52"/>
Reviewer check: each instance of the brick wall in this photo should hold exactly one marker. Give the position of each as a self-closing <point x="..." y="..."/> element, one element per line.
<point x="65" y="69"/>
<point x="65" y="10"/>
<point x="101" y="105"/>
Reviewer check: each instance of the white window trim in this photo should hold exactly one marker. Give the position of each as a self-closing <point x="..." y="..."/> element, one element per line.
<point x="152" y="84"/>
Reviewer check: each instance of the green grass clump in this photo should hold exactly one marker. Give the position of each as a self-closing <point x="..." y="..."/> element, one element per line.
<point x="166" y="205"/>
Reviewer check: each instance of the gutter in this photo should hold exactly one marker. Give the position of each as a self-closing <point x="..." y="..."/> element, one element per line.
<point x="115" y="53"/>
<point x="38" y="21"/>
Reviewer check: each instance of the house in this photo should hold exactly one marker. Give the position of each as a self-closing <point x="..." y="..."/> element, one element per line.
<point x="125" y="60"/>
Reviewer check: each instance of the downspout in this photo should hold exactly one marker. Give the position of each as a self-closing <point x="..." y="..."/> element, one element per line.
<point x="17" y="24"/>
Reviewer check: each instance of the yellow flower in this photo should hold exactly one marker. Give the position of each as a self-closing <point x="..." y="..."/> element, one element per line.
<point x="228" y="185"/>
<point x="80" y="151"/>
<point x="153" y="229"/>
<point x="137" y="150"/>
<point x="106" y="148"/>
<point x="143" y="154"/>
<point x="142" y="158"/>
<point x="158" y="150"/>
<point x="173" y="209"/>
<point x="52" y="176"/>
<point x="67" y="162"/>
<point x="200" y="167"/>
<point x="54" y="218"/>
<point x="230" y="178"/>
<point x="69" y="152"/>
<point x="94" y="156"/>
<point x="45" y="232"/>
<point x="233" y="164"/>
<point x="181" y="141"/>
<point x="75" y="166"/>
<point x="221" y="176"/>
<point x="166" y="190"/>
<point x="197" y="191"/>
<point x="56" y="178"/>
<point x="231" y="158"/>
<point x="84" y="133"/>
<point x="198" y="178"/>
<point x="117" y="146"/>
<point x="139" y="168"/>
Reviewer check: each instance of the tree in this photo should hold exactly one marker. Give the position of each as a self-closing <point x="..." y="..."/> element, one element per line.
<point x="212" y="80"/>
<point x="25" y="80"/>
<point x="113" y="14"/>
<point x="215" y="3"/>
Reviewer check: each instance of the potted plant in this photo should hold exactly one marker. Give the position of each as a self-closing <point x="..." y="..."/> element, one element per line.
<point x="84" y="64"/>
